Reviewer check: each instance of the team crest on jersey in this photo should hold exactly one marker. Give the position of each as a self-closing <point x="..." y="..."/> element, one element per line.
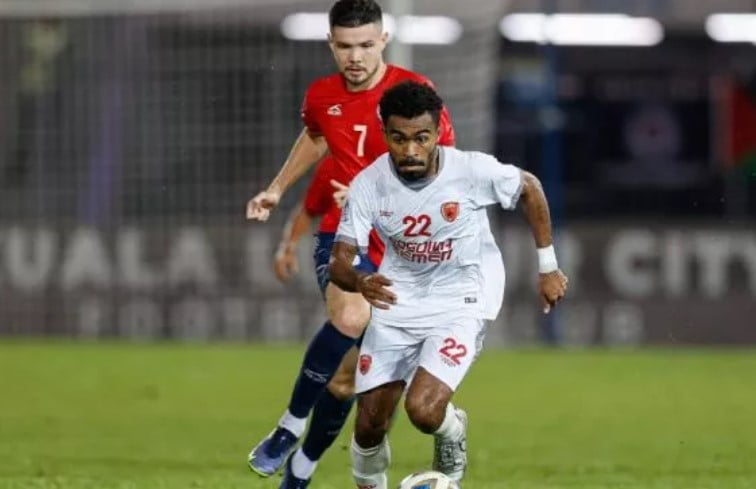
<point x="334" y="110"/>
<point x="450" y="211"/>
<point x="365" y="362"/>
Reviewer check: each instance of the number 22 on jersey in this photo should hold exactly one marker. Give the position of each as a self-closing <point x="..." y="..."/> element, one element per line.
<point x="417" y="226"/>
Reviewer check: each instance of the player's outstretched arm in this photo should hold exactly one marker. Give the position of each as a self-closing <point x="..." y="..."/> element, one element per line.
<point x="371" y="285"/>
<point x="286" y="264"/>
<point x="552" y="283"/>
<point x="306" y="151"/>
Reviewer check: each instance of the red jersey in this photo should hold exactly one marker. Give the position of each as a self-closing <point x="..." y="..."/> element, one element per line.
<point x="319" y="197"/>
<point x="351" y="125"/>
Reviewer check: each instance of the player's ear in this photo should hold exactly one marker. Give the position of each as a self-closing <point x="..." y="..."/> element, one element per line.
<point x="331" y="44"/>
<point x="384" y="39"/>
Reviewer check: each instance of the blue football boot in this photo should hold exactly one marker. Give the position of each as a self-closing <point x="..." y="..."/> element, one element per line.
<point x="270" y="454"/>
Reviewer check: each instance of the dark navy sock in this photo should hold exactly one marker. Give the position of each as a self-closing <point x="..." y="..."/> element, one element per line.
<point x="321" y="361"/>
<point x="328" y="418"/>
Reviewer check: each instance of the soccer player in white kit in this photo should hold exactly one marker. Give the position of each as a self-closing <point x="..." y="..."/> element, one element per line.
<point x="442" y="276"/>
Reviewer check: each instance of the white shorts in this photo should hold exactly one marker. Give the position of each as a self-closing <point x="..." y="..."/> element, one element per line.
<point x="391" y="353"/>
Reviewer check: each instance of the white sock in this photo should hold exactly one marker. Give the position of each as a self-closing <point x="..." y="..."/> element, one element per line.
<point x="369" y="465"/>
<point x="451" y="427"/>
<point x="301" y="466"/>
<point x="293" y="424"/>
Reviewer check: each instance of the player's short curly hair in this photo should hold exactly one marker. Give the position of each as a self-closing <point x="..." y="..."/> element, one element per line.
<point x="411" y="99"/>
<point x="354" y="13"/>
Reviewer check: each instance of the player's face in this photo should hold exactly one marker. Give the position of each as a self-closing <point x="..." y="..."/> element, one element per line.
<point x="358" y="52"/>
<point x="412" y="145"/>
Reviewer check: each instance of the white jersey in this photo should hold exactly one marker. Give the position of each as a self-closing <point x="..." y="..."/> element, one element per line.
<point x="440" y="253"/>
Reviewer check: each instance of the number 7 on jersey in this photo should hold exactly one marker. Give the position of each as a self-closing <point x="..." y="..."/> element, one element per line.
<point x="362" y="129"/>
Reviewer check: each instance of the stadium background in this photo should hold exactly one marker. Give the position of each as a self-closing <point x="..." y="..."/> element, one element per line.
<point x="132" y="134"/>
<point x="144" y="342"/>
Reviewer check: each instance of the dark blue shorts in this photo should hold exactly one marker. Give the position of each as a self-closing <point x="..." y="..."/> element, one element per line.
<point x="323" y="245"/>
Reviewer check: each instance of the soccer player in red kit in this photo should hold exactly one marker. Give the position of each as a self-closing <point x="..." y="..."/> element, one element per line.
<point x="340" y="113"/>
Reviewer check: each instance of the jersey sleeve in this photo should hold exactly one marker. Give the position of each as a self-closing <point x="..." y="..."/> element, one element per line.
<point x="495" y="182"/>
<point x="356" y="217"/>
<point x="308" y="113"/>
<point x="318" y="198"/>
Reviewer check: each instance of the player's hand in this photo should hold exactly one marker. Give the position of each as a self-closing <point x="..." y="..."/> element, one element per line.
<point x="259" y="207"/>
<point x="551" y="287"/>
<point x="373" y="289"/>
<point x="340" y="195"/>
<point x="286" y="263"/>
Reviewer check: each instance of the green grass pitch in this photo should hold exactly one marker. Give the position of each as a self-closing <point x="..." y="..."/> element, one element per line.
<point x="107" y="416"/>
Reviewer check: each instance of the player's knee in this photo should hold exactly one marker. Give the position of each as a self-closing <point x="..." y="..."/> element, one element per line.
<point x="370" y="428"/>
<point x="342" y="386"/>
<point x="424" y="416"/>
<point x="350" y="319"/>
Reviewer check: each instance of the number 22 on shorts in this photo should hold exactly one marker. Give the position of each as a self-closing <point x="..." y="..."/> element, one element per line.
<point x="452" y="351"/>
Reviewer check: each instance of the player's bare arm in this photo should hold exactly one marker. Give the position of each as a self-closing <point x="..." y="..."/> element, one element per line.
<point x="552" y="283"/>
<point x="307" y="150"/>
<point x="286" y="262"/>
<point x="372" y="286"/>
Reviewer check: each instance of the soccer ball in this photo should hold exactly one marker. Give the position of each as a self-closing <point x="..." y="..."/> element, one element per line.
<point x="429" y="479"/>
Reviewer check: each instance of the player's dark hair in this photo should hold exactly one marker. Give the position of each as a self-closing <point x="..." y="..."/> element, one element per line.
<point x="411" y="99"/>
<point x="354" y="13"/>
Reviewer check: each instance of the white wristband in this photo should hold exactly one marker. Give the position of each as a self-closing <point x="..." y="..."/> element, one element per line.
<point x="547" y="261"/>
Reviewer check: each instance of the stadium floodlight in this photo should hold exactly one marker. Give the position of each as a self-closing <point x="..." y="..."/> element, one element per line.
<point x="582" y="29"/>
<point x="524" y="27"/>
<point x="410" y="29"/>
<point x="731" y="27"/>
<point x="428" y="29"/>
<point x="603" y="30"/>
<point x="305" y="26"/>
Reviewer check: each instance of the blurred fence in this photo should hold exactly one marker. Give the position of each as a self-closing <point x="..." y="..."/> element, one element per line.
<point x="129" y="145"/>
<point x="178" y="114"/>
